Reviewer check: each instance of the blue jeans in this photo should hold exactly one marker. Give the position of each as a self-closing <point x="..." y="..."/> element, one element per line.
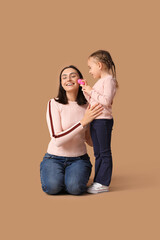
<point x="65" y="173"/>
<point x="101" y="131"/>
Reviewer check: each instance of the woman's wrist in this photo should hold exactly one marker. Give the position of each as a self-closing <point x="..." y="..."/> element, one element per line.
<point x="83" y="123"/>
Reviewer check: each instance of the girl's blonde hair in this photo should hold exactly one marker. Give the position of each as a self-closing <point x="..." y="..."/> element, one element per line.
<point x="105" y="57"/>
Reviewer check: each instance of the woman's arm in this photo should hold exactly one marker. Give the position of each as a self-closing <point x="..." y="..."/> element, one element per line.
<point x="88" y="136"/>
<point x="91" y="113"/>
<point x="54" y="122"/>
<point x="54" y="125"/>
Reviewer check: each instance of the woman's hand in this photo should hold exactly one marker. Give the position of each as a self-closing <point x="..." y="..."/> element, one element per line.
<point x="91" y="113"/>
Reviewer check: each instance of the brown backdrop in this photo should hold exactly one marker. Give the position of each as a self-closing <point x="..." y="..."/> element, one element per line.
<point x="38" y="39"/>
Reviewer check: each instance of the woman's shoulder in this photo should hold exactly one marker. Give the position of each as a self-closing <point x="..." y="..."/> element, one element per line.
<point x="54" y="100"/>
<point x="54" y="103"/>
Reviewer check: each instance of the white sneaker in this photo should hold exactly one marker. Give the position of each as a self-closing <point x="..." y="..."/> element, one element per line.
<point x="97" y="188"/>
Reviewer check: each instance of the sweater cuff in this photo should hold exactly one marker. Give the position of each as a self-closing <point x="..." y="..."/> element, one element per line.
<point x="81" y="126"/>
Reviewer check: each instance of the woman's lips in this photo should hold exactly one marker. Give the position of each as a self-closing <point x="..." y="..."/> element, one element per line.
<point x="69" y="84"/>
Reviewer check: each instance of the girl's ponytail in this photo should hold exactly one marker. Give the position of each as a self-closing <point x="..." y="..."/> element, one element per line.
<point x="105" y="57"/>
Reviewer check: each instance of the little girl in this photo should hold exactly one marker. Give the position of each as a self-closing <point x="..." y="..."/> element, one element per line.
<point x="102" y="68"/>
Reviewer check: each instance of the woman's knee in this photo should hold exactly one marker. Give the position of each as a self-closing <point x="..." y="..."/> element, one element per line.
<point x="52" y="186"/>
<point x="75" y="188"/>
<point x="52" y="179"/>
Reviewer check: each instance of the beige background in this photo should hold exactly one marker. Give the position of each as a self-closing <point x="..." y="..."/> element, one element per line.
<point x="38" y="39"/>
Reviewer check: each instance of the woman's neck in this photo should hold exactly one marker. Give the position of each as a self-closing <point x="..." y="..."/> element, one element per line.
<point x="71" y="96"/>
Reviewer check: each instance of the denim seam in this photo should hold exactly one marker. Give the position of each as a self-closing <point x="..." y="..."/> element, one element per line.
<point x="42" y="182"/>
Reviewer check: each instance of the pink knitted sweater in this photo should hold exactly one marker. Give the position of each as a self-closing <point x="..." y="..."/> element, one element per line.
<point x="103" y="92"/>
<point x="67" y="134"/>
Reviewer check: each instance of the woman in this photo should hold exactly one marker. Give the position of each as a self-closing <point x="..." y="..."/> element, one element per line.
<point x="66" y="165"/>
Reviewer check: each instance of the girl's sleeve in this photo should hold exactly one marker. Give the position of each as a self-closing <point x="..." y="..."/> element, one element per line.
<point x="54" y="125"/>
<point x="87" y="97"/>
<point x="109" y="91"/>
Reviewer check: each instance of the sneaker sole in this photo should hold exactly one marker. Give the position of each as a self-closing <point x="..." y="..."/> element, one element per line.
<point x="97" y="191"/>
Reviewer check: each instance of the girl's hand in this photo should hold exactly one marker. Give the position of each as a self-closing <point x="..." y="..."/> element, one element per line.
<point x="91" y="113"/>
<point x="84" y="81"/>
<point x="86" y="88"/>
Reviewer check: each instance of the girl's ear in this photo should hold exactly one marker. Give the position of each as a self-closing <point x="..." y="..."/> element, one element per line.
<point x="100" y="65"/>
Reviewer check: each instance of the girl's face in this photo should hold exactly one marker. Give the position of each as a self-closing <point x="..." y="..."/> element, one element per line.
<point x="69" y="80"/>
<point x="94" y="68"/>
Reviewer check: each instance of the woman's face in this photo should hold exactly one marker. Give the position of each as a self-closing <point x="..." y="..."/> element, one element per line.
<point x="69" y="80"/>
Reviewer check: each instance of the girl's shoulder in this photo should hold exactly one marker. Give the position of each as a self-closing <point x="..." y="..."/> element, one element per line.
<point x="109" y="80"/>
<point x="107" y="77"/>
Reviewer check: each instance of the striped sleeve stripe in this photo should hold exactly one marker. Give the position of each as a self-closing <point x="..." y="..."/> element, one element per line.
<point x="65" y="132"/>
<point x="51" y="118"/>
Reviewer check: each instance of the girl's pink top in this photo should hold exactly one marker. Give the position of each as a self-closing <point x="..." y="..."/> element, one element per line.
<point x="103" y="92"/>
<point x="67" y="134"/>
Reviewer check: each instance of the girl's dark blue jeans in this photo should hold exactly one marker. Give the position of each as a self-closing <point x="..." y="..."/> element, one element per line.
<point x="65" y="173"/>
<point x="101" y="130"/>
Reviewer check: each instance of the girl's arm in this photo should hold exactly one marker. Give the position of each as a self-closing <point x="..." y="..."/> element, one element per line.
<point x="86" y="96"/>
<point x="109" y="91"/>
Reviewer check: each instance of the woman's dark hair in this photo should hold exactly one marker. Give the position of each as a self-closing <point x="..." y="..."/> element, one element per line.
<point x="62" y="98"/>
